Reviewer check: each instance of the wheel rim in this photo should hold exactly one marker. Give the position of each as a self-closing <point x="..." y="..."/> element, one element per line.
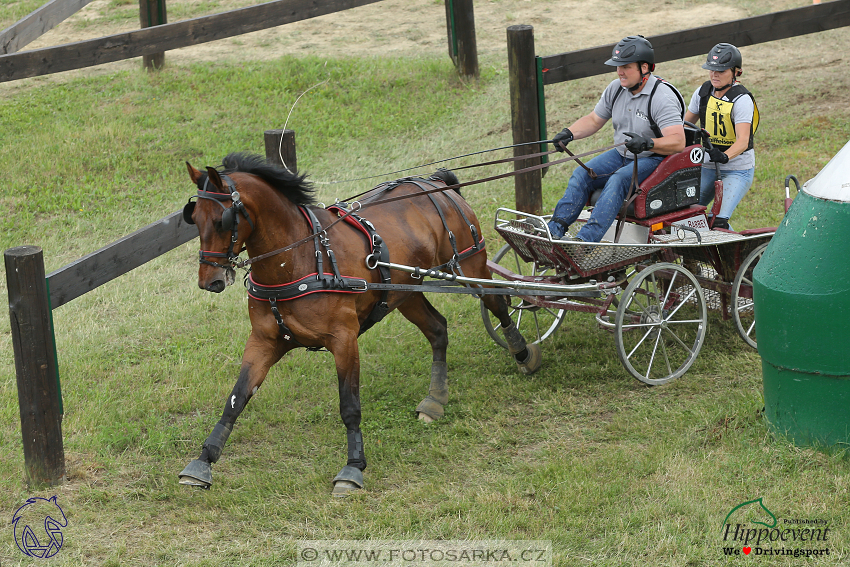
<point x="532" y="321"/>
<point x="742" y="298"/>
<point x="661" y="323"/>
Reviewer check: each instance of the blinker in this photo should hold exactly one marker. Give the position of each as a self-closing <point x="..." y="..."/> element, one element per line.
<point x="227" y="217"/>
<point x="187" y="212"/>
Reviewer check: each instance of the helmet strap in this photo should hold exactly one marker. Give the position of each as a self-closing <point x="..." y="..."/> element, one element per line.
<point x="644" y="77"/>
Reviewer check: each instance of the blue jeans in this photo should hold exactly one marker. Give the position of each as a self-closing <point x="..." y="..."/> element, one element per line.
<point x="735" y="186"/>
<point x="614" y="176"/>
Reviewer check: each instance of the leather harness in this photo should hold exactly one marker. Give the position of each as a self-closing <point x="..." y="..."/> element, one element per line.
<point x="323" y="282"/>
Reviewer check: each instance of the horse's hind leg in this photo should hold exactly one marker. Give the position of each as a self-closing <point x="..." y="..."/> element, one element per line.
<point x="419" y="311"/>
<point x="528" y="356"/>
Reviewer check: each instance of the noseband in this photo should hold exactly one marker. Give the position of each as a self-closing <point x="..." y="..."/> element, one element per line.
<point x="229" y="221"/>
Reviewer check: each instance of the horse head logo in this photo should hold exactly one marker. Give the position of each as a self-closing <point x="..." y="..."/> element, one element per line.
<point x="39" y="512"/>
<point x="753" y="511"/>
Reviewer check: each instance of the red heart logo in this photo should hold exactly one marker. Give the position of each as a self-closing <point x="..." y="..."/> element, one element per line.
<point x="618" y="51"/>
<point x="747" y="550"/>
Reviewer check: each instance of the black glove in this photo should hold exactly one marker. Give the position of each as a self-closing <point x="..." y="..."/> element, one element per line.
<point x="638" y="144"/>
<point x="718" y="156"/>
<point x="563" y="137"/>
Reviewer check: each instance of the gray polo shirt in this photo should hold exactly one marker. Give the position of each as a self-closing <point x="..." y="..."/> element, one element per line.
<point x="630" y="113"/>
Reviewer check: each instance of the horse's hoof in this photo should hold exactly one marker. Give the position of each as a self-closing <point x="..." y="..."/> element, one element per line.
<point x="534" y="360"/>
<point x="347" y="481"/>
<point x="430" y="410"/>
<point x="425" y="418"/>
<point x="197" y="473"/>
<point x="343" y="488"/>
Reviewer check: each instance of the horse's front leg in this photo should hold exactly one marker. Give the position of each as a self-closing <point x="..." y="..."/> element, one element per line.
<point x="347" y="358"/>
<point x="258" y="358"/>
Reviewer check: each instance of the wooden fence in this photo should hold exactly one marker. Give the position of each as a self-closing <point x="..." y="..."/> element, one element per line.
<point x="529" y="74"/>
<point x="32" y="297"/>
<point x="158" y="37"/>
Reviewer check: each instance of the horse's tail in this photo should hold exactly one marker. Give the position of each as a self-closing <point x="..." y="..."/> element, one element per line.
<point x="448" y="177"/>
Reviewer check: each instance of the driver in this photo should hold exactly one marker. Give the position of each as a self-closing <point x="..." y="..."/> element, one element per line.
<point x="647" y="115"/>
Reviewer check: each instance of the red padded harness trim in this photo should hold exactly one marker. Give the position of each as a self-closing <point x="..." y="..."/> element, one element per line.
<point x="286" y="286"/>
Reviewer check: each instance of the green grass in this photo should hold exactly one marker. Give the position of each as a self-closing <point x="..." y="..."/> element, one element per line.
<point x="612" y="472"/>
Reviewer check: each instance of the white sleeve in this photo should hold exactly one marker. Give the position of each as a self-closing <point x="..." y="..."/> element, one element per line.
<point x="693" y="106"/>
<point x="742" y="109"/>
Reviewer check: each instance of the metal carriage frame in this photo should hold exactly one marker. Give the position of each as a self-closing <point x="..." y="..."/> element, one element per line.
<point x="654" y="296"/>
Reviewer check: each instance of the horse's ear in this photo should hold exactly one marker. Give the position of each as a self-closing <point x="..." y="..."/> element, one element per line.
<point x="194" y="174"/>
<point x="215" y="179"/>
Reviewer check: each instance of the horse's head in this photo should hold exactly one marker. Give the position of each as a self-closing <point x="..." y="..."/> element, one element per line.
<point x="217" y="213"/>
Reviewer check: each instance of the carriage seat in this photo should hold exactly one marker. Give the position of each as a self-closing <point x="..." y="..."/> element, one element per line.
<point x="673" y="186"/>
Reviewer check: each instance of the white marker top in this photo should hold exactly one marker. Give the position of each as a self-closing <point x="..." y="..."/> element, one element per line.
<point x="833" y="181"/>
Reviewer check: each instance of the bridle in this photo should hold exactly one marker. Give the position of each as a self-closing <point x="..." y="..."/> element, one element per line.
<point x="229" y="221"/>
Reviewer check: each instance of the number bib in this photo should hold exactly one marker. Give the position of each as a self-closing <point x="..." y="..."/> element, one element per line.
<point x="718" y="116"/>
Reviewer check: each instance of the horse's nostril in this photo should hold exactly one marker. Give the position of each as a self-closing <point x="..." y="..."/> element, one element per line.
<point x="216" y="287"/>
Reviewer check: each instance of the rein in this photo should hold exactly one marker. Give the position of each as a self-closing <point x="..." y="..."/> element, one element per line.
<point x="360" y="206"/>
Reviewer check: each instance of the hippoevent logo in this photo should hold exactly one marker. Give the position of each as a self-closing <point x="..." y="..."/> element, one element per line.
<point x="38" y="527"/>
<point x="751" y="529"/>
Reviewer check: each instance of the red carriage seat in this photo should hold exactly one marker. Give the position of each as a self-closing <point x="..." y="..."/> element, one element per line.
<point x="673" y="186"/>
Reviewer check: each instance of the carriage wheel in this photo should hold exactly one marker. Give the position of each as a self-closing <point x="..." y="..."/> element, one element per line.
<point x="533" y="322"/>
<point x="744" y="313"/>
<point x="661" y="323"/>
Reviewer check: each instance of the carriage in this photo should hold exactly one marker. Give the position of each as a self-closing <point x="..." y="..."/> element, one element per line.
<point x="657" y="274"/>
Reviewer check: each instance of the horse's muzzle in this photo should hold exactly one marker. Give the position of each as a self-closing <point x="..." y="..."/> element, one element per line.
<point x="222" y="279"/>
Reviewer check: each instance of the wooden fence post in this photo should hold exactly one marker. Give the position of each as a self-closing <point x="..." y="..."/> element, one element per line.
<point x="152" y="13"/>
<point x="281" y="152"/>
<point x="460" y="20"/>
<point x="525" y="124"/>
<point x="35" y="366"/>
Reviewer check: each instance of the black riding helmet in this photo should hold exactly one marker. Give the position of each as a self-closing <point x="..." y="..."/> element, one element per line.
<point x="632" y="49"/>
<point x="723" y="56"/>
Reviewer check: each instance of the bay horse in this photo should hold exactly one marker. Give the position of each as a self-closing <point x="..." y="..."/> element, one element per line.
<point x="314" y="295"/>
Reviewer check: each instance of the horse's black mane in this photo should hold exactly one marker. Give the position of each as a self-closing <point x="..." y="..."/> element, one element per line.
<point x="448" y="177"/>
<point x="293" y="185"/>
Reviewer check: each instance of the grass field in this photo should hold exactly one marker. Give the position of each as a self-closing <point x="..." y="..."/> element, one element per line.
<point x="580" y="454"/>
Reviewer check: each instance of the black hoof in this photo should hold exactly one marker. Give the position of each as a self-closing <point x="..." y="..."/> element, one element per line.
<point x="347" y="481"/>
<point x="197" y="473"/>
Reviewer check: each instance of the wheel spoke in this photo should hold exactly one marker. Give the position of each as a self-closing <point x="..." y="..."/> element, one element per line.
<point x="653" y="343"/>
<point x="678" y="340"/>
<point x="663" y="344"/>
<point x="639" y="343"/>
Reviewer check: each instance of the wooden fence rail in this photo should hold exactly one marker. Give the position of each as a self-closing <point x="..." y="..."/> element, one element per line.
<point x="38" y="23"/>
<point x="668" y="47"/>
<point x="166" y="37"/>
<point x="158" y="37"/>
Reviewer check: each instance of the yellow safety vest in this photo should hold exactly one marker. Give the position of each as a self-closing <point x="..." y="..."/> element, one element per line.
<point x="716" y="116"/>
